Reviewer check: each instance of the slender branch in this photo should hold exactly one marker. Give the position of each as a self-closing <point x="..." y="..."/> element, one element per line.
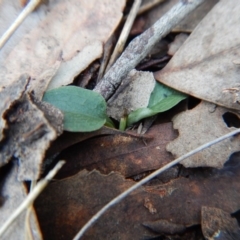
<point x="141" y="46"/>
<point x="28" y="231"/>
<point x="125" y="32"/>
<point x="26" y="11"/>
<point x="31" y="197"/>
<point x="145" y="180"/>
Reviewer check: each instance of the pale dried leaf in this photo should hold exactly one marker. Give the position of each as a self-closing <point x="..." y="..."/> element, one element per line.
<point x="186" y="25"/>
<point x="12" y="195"/>
<point x="204" y="66"/>
<point x="134" y="93"/>
<point x="69" y="69"/>
<point x="177" y="43"/>
<point x="54" y="32"/>
<point x="189" y="23"/>
<point x="200" y="125"/>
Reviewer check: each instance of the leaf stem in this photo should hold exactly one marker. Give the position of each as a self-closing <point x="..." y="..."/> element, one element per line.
<point x="123" y="124"/>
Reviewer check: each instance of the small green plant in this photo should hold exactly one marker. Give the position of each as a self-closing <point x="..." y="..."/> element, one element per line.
<point x="84" y="110"/>
<point x="162" y="99"/>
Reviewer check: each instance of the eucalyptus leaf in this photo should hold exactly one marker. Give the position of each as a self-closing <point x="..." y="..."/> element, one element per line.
<point x="83" y="110"/>
<point x="162" y="99"/>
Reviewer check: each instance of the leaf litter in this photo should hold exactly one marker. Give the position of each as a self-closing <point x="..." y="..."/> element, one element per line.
<point x="28" y="137"/>
<point x="137" y="154"/>
<point x="171" y="205"/>
<point x="197" y="126"/>
<point x="204" y="65"/>
<point x="127" y="97"/>
<point x="43" y="51"/>
<point x="13" y="193"/>
<point x="178" y="202"/>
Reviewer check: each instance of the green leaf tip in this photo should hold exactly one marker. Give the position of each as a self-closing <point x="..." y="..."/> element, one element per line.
<point x="162" y="99"/>
<point x="84" y="110"/>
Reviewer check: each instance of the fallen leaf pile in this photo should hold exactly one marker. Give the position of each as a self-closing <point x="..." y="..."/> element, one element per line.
<point x="197" y="68"/>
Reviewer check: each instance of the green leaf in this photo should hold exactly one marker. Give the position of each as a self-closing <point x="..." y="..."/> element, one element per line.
<point x="109" y="122"/>
<point x="162" y="99"/>
<point x="83" y="110"/>
<point x="160" y="92"/>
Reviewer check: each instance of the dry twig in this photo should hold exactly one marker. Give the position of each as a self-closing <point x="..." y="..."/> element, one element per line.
<point x="125" y="32"/>
<point x="148" y="178"/>
<point x="28" y="231"/>
<point x="26" y="11"/>
<point x="141" y="46"/>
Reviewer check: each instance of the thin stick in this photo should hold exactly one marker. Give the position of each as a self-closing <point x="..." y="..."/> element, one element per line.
<point x="31" y="196"/>
<point x="26" y="11"/>
<point x="145" y="180"/>
<point x="125" y="32"/>
<point x="107" y="50"/>
<point x="28" y="231"/>
<point x="149" y="6"/>
<point x="141" y="46"/>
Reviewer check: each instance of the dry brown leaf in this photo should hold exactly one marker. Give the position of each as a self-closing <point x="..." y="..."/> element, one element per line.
<point x="121" y="152"/>
<point x="218" y="224"/>
<point x="134" y="93"/>
<point x="28" y="137"/>
<point x="198" y="126"/>
<point x="58" y="31"/>
<point x="164" y="226"/>
<point x="66" y="205"/>
<point x="12" y="195"/>
<point x="8" y="95"/>
<point x="180" y="200"/>
<point x="68" y="139"/>
<point x="204" y="66"/>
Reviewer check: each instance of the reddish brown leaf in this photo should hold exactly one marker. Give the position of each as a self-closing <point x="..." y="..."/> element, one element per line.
<point x="126" y="154"/>
<point x="67" y="204"/>
<point x="164" y="226"/>
<point x="68" y="139"/>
